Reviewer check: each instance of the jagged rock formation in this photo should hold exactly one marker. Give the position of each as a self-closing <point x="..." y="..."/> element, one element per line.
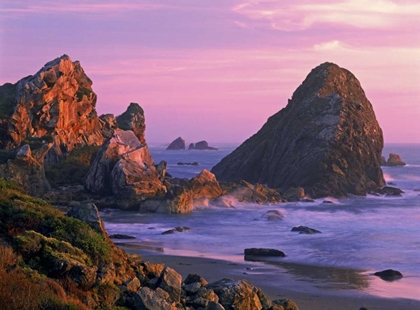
<point x="205" y="185"/>
<point x="124" y="167"/>
<point x="57" y="102"/>
<point x="133" y="119"/>
<point x="201" y="145"/>
<point x="393" y="160"/>
<point x="326" y="140"/>
<point x="177" y="144"/>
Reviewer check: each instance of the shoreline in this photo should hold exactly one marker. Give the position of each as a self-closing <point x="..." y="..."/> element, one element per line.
<point x="311" y="287"/>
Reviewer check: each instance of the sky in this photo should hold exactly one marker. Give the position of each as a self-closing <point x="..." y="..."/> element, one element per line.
<point x="216" y="70"/>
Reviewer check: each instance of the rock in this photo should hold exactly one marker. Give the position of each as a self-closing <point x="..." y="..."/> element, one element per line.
<point x="188" y="164"/>
<point x="146" y="299"/>
<point x="235" y="294"/>
<point x="161" y="169"/>
<point x="205" y="185"/>
<point x="133" y="284"/>
<point x="192" y="288"/>
<point x="246" y="192"/>
<point x="305" y="230"/>
<point x="273" y="215"/>
<point x="26" y="168"/>
<point x="202" y="145"/>
<point x="121" y="236"/>
<point x="294" y="194"/>
<point x="287" y="304"/>
<point x="124" y="167"/>
<point x="383" y="161"/>
<point x="193" y="278"/>
<point x="88" y="213"/>
<point x="395" y="160"/>
<point x="389" y="275"/>
<point x="177" y="144"/>
<point x="390" y="191"/>
<point x="170" y="281"/>
<point x="214" y="306"/>
<point x="178" y="199"/>
<point x="176" y="230"/>
<point x="57" y="103"/>
<point x="263" y="252"/>
<point x="327" y="140"/>
<point x="133" y="119"/>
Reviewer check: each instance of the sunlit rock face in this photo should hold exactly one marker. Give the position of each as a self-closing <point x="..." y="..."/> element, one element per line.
<point x="57" y="102"/>
<point x="326" y="140"/>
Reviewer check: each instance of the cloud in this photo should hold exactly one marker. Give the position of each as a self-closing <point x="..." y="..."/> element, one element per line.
<point x="362" y="14"/>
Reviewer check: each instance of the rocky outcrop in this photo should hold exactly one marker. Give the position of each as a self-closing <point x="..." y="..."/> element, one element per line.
<point x="205" y="185"/>
<point x="56" y="103"/>
<point x="26" y="168"/>
<point x="246" y="192"/>
<point x="88" y="213"/>
<point x="326" y="140"/>
<point x="393" y="160"/>
<point x="133" y="119"/>
<point x="177" y="144"/>
<point x="177" y="200"/>
<point x="201" y="145"/>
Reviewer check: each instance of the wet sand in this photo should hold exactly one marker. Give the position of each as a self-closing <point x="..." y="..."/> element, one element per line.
<point x="311" y="287"/>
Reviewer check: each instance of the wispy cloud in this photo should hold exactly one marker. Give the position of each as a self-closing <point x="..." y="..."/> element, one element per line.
<point x="299" y="15"/>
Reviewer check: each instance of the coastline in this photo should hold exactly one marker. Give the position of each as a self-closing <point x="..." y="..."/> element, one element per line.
<point x="311" y="287"/>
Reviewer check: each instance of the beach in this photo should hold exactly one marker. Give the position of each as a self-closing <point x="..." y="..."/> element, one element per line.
<point x="303" y="285"/>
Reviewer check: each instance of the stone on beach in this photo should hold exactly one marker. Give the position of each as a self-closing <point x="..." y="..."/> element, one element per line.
<point x="389" y="275"/>
<point x="263" y="252"/>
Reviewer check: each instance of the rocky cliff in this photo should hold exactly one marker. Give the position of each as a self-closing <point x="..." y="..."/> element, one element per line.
<point x="326" y="140"/>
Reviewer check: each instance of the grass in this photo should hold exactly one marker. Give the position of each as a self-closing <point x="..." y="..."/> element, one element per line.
<point x="73" y="169"/>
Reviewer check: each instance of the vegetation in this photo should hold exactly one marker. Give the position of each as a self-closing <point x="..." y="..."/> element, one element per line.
<point x="73" y="169"/>
<point x="36" y="143"/>
<point x="34" y="239"/>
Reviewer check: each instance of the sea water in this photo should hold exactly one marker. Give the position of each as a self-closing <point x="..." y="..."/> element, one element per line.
<point x="363" y="233"/>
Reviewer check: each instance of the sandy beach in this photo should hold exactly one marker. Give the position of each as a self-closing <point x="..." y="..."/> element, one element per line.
<point x="311" y="287"/>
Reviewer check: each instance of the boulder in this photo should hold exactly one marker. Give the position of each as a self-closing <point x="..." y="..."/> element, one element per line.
<point x="236" y="294"/>
<point x="390" y="191"/>
<point x="146" y="299"/>
<point x="133" y="119"/>
<point x="263" y="252"/>
<point x="394" y="160"/>
<point x="178" y="199"/>
<point x="123" y="145"/>
<point x="273" y="215"/>
<point x="305" y="230"/>
<point x="326" y="140"/>
<point x="205" y="185"/>
<point x="88" y="213"/>
<point x="246" y="192"/>
<point x="170" y="282"/>
<point x="177" y="144"/>
<point x="121" y="236"/>
<point x="389" y="275"/>
<point x="294" y="194"/>
<point x="286" y="304"/>
<point x="176" y="230"/>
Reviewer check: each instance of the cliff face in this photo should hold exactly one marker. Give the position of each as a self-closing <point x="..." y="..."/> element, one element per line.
<point x="327" y="140"/>
<point x="57" y="102"/>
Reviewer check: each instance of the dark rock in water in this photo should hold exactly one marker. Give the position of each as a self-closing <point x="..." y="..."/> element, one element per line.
<point x="188" y="164"/>
<point x="202" y="145"/>
<point x="389" y="275"/>
<point x="263" y="252"/>
<point x="394" y="160"/>
<point x="294" y="194"/>
<point x="177" y="144"/>
<point x="246" y="192"/>
<point x="327" y="201"/>
<point x="176" y="230"/>
<point x="305" y="230"/>
<point x="391" y="191"/>
<point x="273" y="215"/>
<point x="307" y="200"/>
<point x="121" y="236"/>
<point x="327" y="140"/>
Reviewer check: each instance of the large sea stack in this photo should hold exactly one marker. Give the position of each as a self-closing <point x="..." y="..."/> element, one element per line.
<point x="326" y="140"/>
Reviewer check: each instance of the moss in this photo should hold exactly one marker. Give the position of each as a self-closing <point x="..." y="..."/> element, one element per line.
<point x="73" y="169"/>
<point x="7" y="100"/>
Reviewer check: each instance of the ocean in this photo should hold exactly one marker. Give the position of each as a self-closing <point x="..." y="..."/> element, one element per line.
<point x="364" y="234"/>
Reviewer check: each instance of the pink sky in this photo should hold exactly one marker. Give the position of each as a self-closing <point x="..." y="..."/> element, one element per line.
<point x="216" y="70"/>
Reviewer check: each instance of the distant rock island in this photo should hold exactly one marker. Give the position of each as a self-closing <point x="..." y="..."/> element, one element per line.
<point x="394" y="160"/>
<point x="179" y="144"/>
<point x="326" y="140"/>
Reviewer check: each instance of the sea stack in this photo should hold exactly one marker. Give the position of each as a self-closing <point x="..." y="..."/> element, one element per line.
<point x="326" y="140"/>
<point x="177" y="144"/>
